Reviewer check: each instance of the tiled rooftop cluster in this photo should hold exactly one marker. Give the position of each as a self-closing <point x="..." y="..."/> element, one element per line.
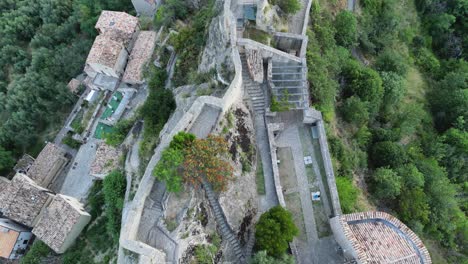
<point x="105" y="51"/>
<point x="118" y="26"/>
<point x="47" y="163"/>
<point x="58" y="221"/>
<point x="107" y="158"/>
<point x="140" y="55"/>
<point x="24" y="163"/>
<point x="22" y="200"/>
<point x="378" y="237"/>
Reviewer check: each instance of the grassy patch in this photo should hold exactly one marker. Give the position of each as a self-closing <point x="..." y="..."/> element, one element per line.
<point x="259" y="177"/>
<point x="287" y="172"/>
<point x="416" y="86"/>
<point x="171" y="224"/>
<point x="257" y="35"/>
<point x="293" y="204"/>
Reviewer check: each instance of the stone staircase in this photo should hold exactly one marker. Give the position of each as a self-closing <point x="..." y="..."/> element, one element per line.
<point x="226" y="232"/>
<point x="253" y="88"/>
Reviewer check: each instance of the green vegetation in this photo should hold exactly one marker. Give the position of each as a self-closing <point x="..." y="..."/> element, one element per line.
<point x="6" y="160"/>
<point x="118" y="133"/>
<point x="43" y="45"/>
<point x="401" y="120"/>
<point x="114" y="189"/>
<point x="346" y="29"/>
<point x="274" y="231"/>
<point x="189" y="160"/>
<point x="205" y="254"/>
<point x="280" y="106"/>
<point x="77" y="123"/>
<point x="156" y="111"/>
<point x="288" y="6"/>
<point x="259" y="177"/>
<point x="72" y="143"/>
<point x="191" y="39"/>
<point x="36" y="253"/>
<point x="257" y="35"/>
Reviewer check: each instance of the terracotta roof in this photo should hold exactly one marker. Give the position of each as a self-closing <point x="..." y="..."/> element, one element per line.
<point x="22" y="200"/>
<point x="24" y="163"/>
<point x="8" y="239"/>
<point x="47" y="162"/>
<point x="59" y="221"/>
<point x="378" y="237"/>
<point x="4" y="182"/>
<point x="107" y="158"/>
<point x="141" y="53"/>
<point x="118" y="26"/>
<point x="73" y="85"/>
<point x="104" y="51"/>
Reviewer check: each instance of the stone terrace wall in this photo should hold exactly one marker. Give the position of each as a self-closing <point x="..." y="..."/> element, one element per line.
<point x="276" y="178"/>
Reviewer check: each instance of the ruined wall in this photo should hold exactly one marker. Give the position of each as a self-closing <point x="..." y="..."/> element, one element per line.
<point x="255" y="64"/>
<point x="276" y="178"/>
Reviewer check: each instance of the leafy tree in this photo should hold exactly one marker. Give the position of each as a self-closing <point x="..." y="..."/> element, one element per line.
<point x="35" y="255"/>
<point x="412" y="177"/>
<point x="355" y="111"/>
<point x="169" y="169"/>
<point x="262" y="257"/>
<point x="348" y="194"/>
<point x="171" y="11"/>
<point x="413" y="206"/>
<point x="119" y="132"/>
<point x="387" y="183"/>
<point x="182" y="140"/>
<point x="207" y="158"/>
<point x="6" y="160"/>
<point x="114" y="185"/>
<point x="274" y="231"/>
<point x="388" y="153"/>
<point x="391" y="60"/>
<point x="394" y="87"/>
<point x="455" y="156"/>
<point x="346" y="29"/>
<point x="363" y="82"/>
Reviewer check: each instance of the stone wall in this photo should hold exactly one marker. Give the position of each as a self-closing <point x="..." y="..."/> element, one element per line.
<point x="131" y="221"/>
<point x="255" y="64"/>
<point x="274" y="160"/>
<point x="267" y="51"/>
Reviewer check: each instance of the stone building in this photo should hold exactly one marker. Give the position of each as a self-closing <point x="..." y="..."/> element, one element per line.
<point x="23" y="164"/>
<point x="61" y="223"/>
<point x="118" y="26"/>
<point x="22" y="200"/>
<point x="14" y="239"/>
<point x="139" y="58"/>
<point x="107" y="57"/>
<point x="48" y="165"/>
<point x="378" y="238"/>
<point x="146" y="7"/>
<point x="107" y="158"/>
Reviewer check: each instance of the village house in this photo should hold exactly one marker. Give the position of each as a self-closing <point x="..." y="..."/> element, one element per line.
<point x="61" y="223"/>
<point x="57" y="220"/>
<point x="48" y="165"/>
<point x="107" y="158"/>
<point x="74" y="86"/>
<point x="377" y="237"/>
<point x="14" y="239"/>
<point x="139" y="58"/>
<point x="107" y="57"/>
<point x="22" y="200"/>
<point x="23" y="164"/>
<point x="118" y="26"/>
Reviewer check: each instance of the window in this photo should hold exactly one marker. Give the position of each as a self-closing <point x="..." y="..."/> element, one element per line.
<point x="25" y="242"/>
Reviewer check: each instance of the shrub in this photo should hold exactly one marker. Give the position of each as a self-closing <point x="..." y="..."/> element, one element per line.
<point x="263" y="258"/>
<point x="348" y="194"/>
<point x="387" y="183"/>
<point x="391" y="60"/>
<point x="169" y="169"/>
<point x="355" y="111"/>
<point x="38" y="251"/>
<point x="346" y="29"/>
<point x="388" y="153"/>
<point x="114" y="190"/>
<point x="274" y="231"/>
<point x="72" y="143"/>
<point x="119" y="132"/>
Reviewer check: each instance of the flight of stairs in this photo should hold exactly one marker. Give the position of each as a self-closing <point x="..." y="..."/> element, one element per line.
<point x="253" y="88"/>
<point x="225" y="230"/>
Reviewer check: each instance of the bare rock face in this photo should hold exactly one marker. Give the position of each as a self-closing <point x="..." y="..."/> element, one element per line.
<point x="218" y="49"/>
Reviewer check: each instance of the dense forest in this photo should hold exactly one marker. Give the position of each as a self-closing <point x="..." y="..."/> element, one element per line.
<point x="391" y="80"/>
<point x="43" y="44"/>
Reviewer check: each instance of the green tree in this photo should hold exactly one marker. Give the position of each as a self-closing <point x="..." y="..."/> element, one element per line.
<point x="114" y="185"/>
<point x="6" y="160"/>
<point x="169" y="169"/>
<point x="394" y="86"/>
<point x="274" y="231"/>
<point x="355" y="111"/>
<point x="388" y="153"/>
<point x="182" y="140"/>
<point x="390" y="60"/>
<point x="387" y="183"/>
<point x="346" y="29"/>
<point x="413" y="206"/>
<point x="36" y="253"/>
<point x="262" y="257"/>
<point x="455" y="154"/>
<point x="412" y="177"/>
<point x="348" y="194"/>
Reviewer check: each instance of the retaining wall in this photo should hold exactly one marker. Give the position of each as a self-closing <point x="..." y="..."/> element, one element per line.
<point x="271" y="128"/>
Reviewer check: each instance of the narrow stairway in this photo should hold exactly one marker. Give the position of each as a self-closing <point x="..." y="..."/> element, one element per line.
<point x="253" y="88"/>
<point x="226" y="231"/>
